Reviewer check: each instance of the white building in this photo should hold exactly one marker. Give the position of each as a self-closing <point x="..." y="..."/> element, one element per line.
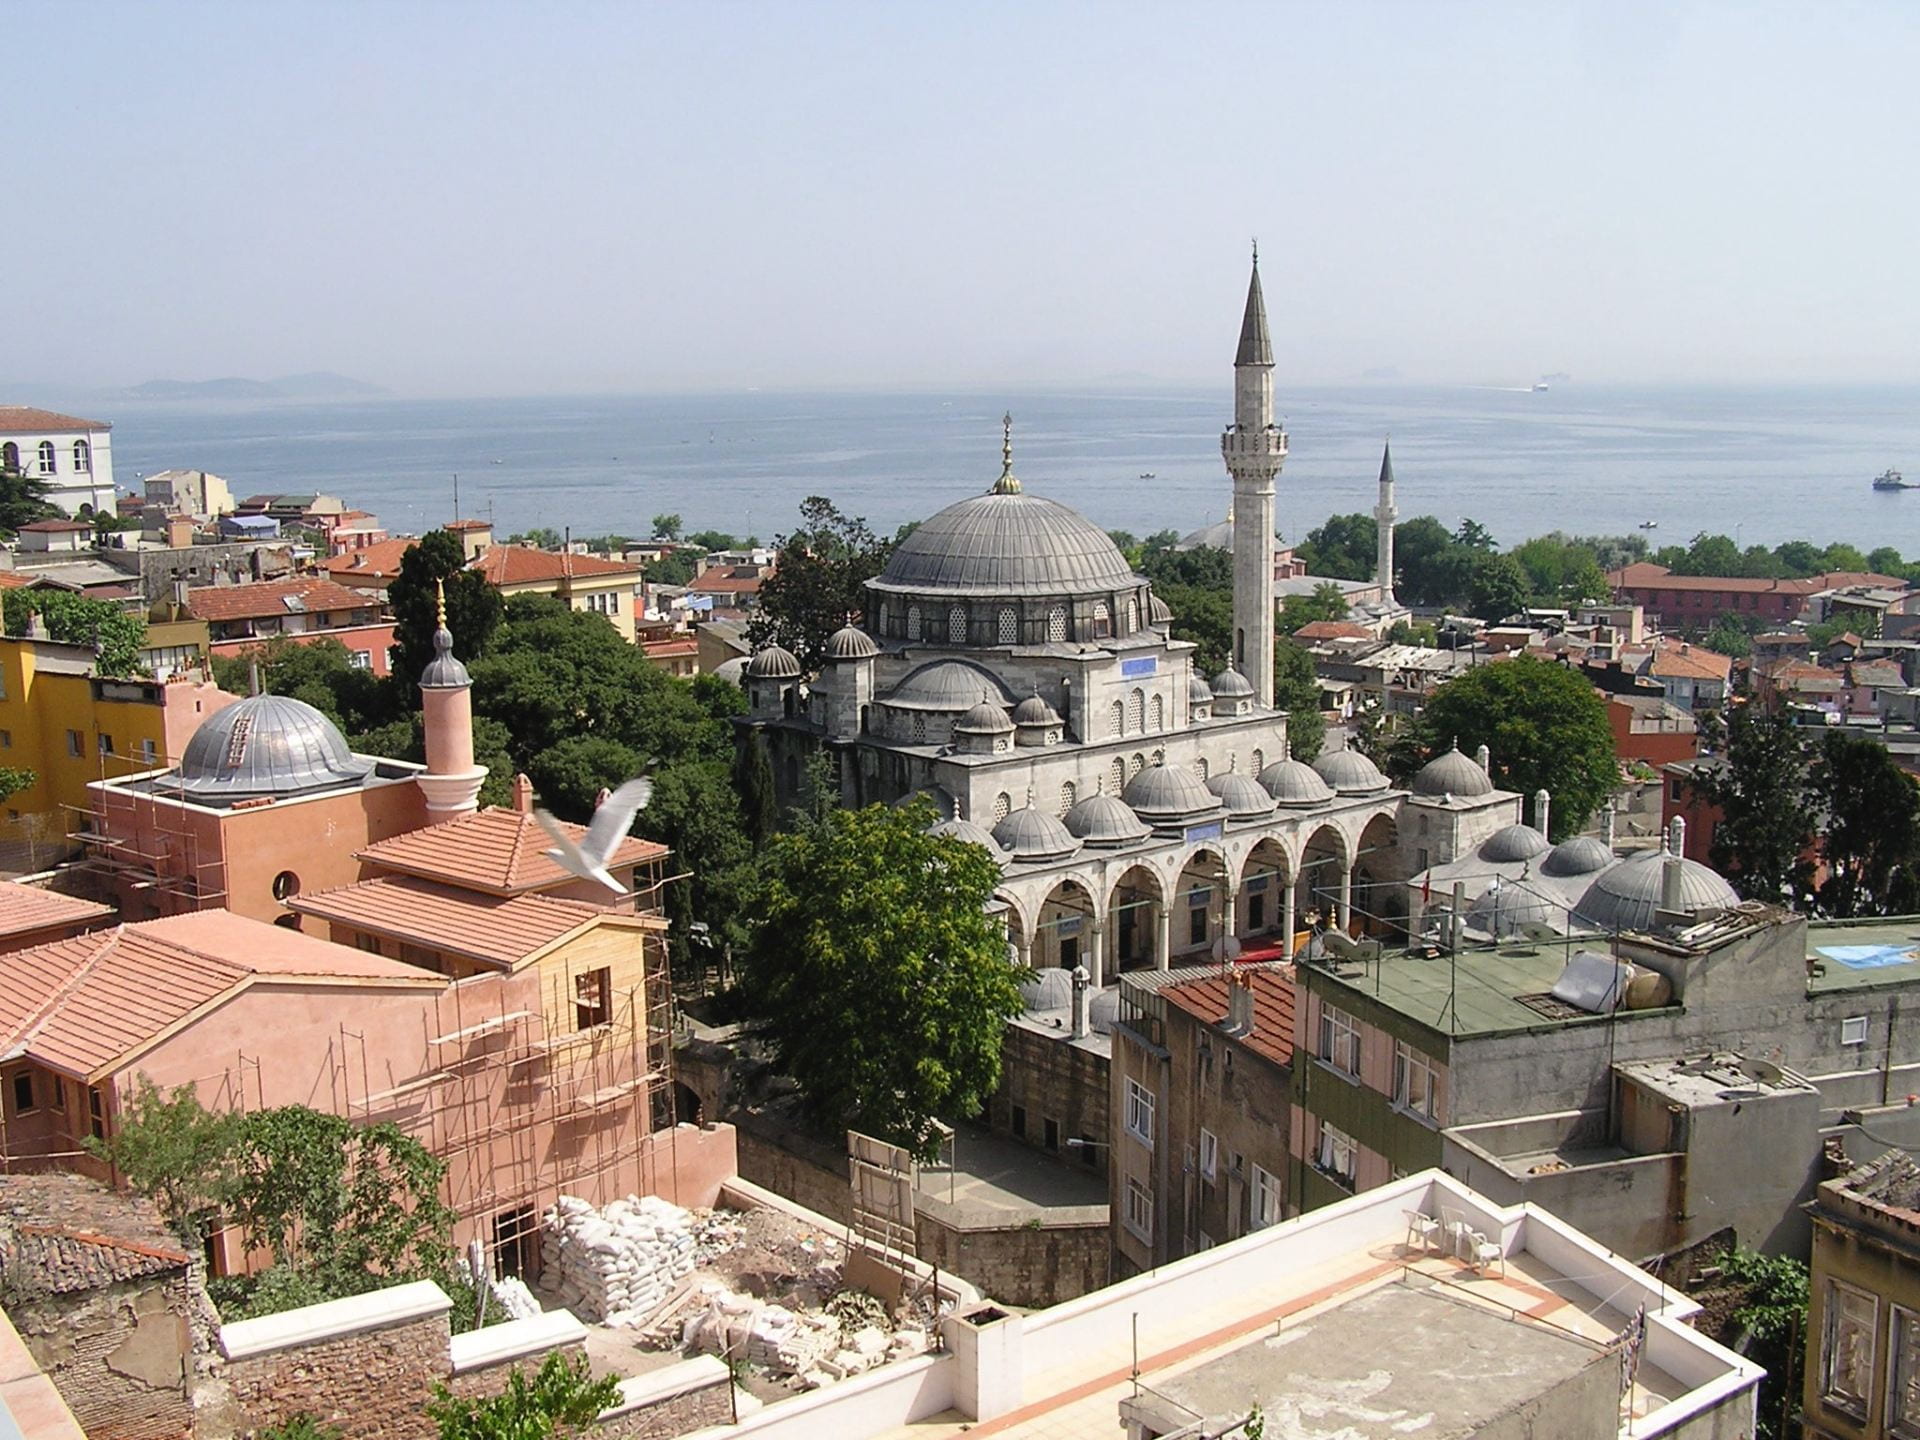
<point x="72" y="457"/>
<point x="189" y="492"/>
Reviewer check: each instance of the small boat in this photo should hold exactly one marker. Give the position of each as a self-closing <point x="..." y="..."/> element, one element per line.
<point x="1649" y="524"/>
<point x="1146" y="474"/>
<point x="1891" y="480"/>
<point x="1538" y="386"/>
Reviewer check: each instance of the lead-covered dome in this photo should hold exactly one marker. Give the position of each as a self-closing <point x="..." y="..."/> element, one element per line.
<point x="1513" y="843"/>
<point x="267" y="745"/>
<point x="946" y="685"/>
<point x="1627" y="896"/>
<point x="1452" y="774"/>
<point x="1105" y="821"/>
<point x="1198" y="691"/>
<point x="971" y="833"/>
<point x="1030" y="836"/>
<point x="1582" y="855"/>
<point x="850" y="642"/>
<point x="1006" y="544"/>
<point x="1169" y="794"/>
<point x="773" y="662"/>
<point x="986" y="718"/>
<point x="1230" y="684"/>
<point x="1035" y="711"/>
<point x="1245" y="797"/>
<point x="1295" y="784"/>
<point x="1350" y="773"/>
<point x="1504" y="910"/>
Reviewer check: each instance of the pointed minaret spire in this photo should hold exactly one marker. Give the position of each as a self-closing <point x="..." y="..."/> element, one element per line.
<point x="1008" y="483"/>
<point x="1384" y="514"/>
<point x="1254" y="448"/>
<point x="1256" y="348"/>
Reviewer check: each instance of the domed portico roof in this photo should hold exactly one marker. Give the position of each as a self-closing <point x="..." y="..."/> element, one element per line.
<point x="1006" y="545"/>
<point x="1245" y="797"/>
<point x="1104" y="821"/>
<point x="1513" y="843"/>
<point x="1627" y="896"/>
<point x="1295" y="784"/>
<point x="266" y="745"/>
<point x="1170" y="794"/>
<point x="1582" y="855"/>
<point x="1230" y="684"/>
<point x="971" y="833"/>
<point x="986" y="718"/>
<point x="1029" y="836"/>
<point x="1198" y="691"/>
<point x="1350" y="773"/>
<point x="773" y="662"/>
<point x="1452" y="774"/>
<point x="1035" y="711"/>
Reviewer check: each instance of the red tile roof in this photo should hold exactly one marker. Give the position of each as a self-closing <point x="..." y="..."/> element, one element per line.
<point x="495" y="851"/>
<point x="461" y="527"/>
<point x="1685" y="662"/>
<point x="26" y="908"/>
<point x="737" y="580"/>
<point x="518" y="565"/>
<point x="1273" y="998"/>
<point x="85" y="1005"/>
<point x="54" y="527"/>
<point x="269" y="597"/>
<point x="1332" y="630"/>
<point x="506" y="931"/>
<point x="65" y="1233"/>
<point x="379" y="561"/>
<point x="13" y="580"/>
<point x="1644" y="574"/>
<point x="25" y="420"/>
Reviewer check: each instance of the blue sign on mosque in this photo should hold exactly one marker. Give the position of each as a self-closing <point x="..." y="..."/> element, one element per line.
<point x="1212" y="830"/>
<point x="1135" y="669"/>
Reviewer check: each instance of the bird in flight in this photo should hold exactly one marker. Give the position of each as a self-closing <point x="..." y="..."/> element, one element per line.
<point x="609" y="826"/>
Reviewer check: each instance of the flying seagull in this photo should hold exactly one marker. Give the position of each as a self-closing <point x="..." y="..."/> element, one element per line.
<point x="605" y="831"/>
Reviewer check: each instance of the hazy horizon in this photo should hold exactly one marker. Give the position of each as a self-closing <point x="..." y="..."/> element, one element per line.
<point x="471" y="200"/>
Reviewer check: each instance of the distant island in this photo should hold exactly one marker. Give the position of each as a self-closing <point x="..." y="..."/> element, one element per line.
<point x="314" y="385"/>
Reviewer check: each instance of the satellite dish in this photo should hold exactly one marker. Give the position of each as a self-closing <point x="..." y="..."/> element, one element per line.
<point x="1225" y="947"/>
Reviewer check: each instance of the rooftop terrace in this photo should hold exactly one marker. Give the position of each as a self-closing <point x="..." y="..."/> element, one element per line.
<point x="1859" y="955"/>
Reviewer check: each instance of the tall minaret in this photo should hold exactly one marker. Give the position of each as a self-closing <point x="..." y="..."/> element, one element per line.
<point x="1384" y="515"/>
<point x="1254" y="448"/>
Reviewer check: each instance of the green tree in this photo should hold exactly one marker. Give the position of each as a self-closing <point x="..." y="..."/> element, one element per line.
<point x="1885" y="560"/>
<point x="1772" y="1317"/>
<point x="15" y="778"/>
<point x="176" y="1152"/>
<point x="1841" y="556"/>
<point x="301" y="1427"/>
<point x="1472" y="535"/>
<point x="1765" y="800"/>
<point x="753" y="784"/>
<point x="1498" y="588"/>
<point x="23" y="500"/>
<point x="1799" y="558"/>
<point x="116" y="636"/>
<point x="1729" y="636"/>
<point x="541" y="537"/>
<point x="1434" y="567"/>
<point x="819" y="582"/>
<point x="1872" y="838"/>
<point x="712" y="541"/>
<point x="319" y="672"/>
<point x="1711" y="555"/>
<point x="1296" y="690"/>
<point x="676" y="567"/>
<point x="1346" y="547"/>
<point x="666" y="527"/>
<point x="1611" y="552"/>
<point x="474" y="607"/>
<point x="570" y="774"/>
<point x="696" y="813"/>
<point x="1544" y="726"/>
<point x="562" y="1398"/>
<point x="1325" y="603"/>
<point x="1208" y="566"/>
<point x="876" y="975"/>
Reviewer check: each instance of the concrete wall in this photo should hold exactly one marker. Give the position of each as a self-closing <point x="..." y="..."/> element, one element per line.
<point x="1033" y="1259"/>
<point x="1584" y="1406"/>
<point x="117" y="1355"/>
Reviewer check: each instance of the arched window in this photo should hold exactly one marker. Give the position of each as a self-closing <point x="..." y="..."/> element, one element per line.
<point x="1068" y="794"/>
<point x="9" y="456"/>
<point x="1117" y="775"/>
<point x="82" y="458"/>
<point x="1159" y="757"/>
<point x="1102" y="621"/>
<point x="1157" y="713"/>
<point x="1002" y="807"/>
<point x="1119" y="718"/>
<point x="957" y="625"/>
<point x="882" y="618"/>
<point x="1006" y="626"/>
<point x="1136" y="765"/>
<point x="1259" y="762"/>
<point x="1057" y="625"/>
<point x="919" y="729"/>
<point x="1200" y="767"/>
<point x="913" y="622"/>
<point x="46" y="457"/>
<point x="1136" y="710"/>
<point x="1133" y="615"/>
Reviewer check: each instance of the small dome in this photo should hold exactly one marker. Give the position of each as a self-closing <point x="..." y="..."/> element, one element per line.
<point x="986" y="718"/>
<point x="1513" y="843"/>
<point x="1245" y="797"/>
<point x="1198" y="691"/>
<point x="1047" y="988"/>
<point x="1230" y="684"/>
<point x="444" y="671"/>
<point x="850" y="642"/>
<point x="968" y="831"/>
<point x="1158" y="611"/>
<point x="1626" y="896"/>
<point x="773" y="663"/>
<point x="732" y="671"/>
<point x="1103" y="1009"/>
<point x="1582" y="855"/>
<point x="1029" y="836"/>
<point x="1452" y="774"/>
<point x="1164" y="794"/>
<point x="1105" y="820"/>
<point x="1350" y="773"/>
<point x="1035" y="711"/>
<point x="267" y="745"/>
<point x="952" y="685"/>
<point x="1295" y="784"/>
<point x="1503" y="909"/>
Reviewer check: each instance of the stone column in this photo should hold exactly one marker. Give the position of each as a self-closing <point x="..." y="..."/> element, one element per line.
<point x="1162" y="936"/>
<point x="1343" y="911"/>
<point x="1023" y="950"/>
<point x="1096" y="959"/>
<point x="1287" y="919"/>
<point x="1230" y="912"/>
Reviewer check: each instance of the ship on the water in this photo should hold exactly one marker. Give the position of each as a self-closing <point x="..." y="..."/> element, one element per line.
<point x="1891" y="480"/>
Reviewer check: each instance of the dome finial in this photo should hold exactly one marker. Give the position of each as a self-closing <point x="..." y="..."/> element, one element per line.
<point x="440" y="604"/>
<point x="1008" y="483"/>
<point x="1256" y="252"/>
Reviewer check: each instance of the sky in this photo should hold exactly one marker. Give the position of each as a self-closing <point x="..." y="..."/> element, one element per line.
<point x="472" y="198"/>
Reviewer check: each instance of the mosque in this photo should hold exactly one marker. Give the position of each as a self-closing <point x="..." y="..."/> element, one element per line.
<point x="1011" y="667"/>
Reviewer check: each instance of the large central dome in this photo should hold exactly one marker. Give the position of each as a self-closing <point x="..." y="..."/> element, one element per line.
<point x="1006" y="544"/>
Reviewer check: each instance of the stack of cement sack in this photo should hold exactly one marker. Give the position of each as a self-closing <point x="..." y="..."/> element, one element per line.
<point x="616" y="1265"/>
<point x="511" y="1294"/>
<point x="739" y="1327"/>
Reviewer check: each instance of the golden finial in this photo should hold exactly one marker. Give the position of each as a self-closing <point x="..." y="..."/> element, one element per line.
<point x="440" y="604"/>
<point x="1008" y="483"/>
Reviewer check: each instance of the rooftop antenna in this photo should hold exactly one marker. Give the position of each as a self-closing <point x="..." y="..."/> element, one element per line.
<point x="456" y="494"/>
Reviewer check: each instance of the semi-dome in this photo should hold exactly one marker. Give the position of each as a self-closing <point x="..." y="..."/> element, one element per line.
<point x="1582" y="855"/>
<point x="966" y="830"/>
<point x="1030" y="836"/>
<point x="267" y="745"/>
<point x="1198" y="691"/>
<point x="773" y="662"/>
<point x="1035" y="711"/>
<point x="850" y="642"/>
<point x="1452" y="774"/>
<point x="986" y="718"/>
<point x="1165" y="794"/>
<point x="1105" y="820"/>
<point x="1627" y="896"/>
<point x="1006" y="544"/>
<point x="1350" y="773"/>
<point x="1295" y="784"/>
<point x="946" y="685"/>
<point x="1513" y="843"/>
<point x="1245" y="797"/>
<point x="1230" y="684"/>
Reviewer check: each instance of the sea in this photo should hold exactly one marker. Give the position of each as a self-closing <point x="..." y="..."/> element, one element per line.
<point x="1761" y="465"/>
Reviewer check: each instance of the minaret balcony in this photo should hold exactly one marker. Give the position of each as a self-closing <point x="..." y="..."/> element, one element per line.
<point x="1254" y="445"/>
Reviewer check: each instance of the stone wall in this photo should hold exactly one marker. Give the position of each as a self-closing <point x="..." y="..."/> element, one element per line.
<point x="118" y="1355"/>
<point x="1031" y="1258"/>
<point x="372" y="1383"/>
<point x="489" y="1380"/>
<point x="693" y="1395"/>
<point x="1051" y="1078"/>
<point x="805" y="1171"/>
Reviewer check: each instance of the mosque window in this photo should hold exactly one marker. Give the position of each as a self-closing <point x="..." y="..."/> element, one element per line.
<point x="919" y="729"/>
<point x="1136" y="710"/>
<point x="1159" y="757"/>
<point x="913" y="622"/>
<point x="1057" y="625"/>
<point x="1002" y="807"/>
<point x="1157" y="712"/>
<point x="1137" y="764"/>
<point x="1200" y="767"/>
<point x="1068" y="794"/>
<point x="957" y="625"/>
<point x="1119" y="718"/>
<point x="1133" y="615"/>
<point x="46" y="457"/>
<point x="1117" y="775"/>
<point x="82" y="457"/>
<point x="1259" y="761"/>
<point x="1006" y="626"/>
<point x="1102" y="621"/>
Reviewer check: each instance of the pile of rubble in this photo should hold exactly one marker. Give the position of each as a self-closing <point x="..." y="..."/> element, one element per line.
<point x="809" y="1345"/>
<point x="616" y="1265"/>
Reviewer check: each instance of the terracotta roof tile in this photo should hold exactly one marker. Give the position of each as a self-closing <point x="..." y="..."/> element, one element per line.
<point x="379" y="561"/>
<point x="25" y="420"/>
<point x="26" y="908"/>
<point x="494" y="929"/>
<point x="65" y="1233"/>
<point x="518" y="565"/>
<point x="500" y="852"/>
<point x="1332" y="630"/>
<point x="1273" y="1000"/>
<point x="55" y="527"/>
<point x="1684" y="662"/>
<point x="270" y="597"/>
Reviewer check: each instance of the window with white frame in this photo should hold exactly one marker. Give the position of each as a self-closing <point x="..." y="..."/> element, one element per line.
<point x="148" y="753"/>
<point x="46" y="457"/>
<point x="82" y="458"/>
<point x="1853" y="1030"/>
<point x="1266" y="1199"/>
<point x="1140" y="1113"/>
<point x="1209" y="1154"/>
<point x="360" y="660"/>
<point x="1413" y="1082"/>
<point x="1334" y="1154"/>
<point x="1903" y="1375"/>
<point x="1139" y="1213"/>
<point x="1846" y="1349"/>
<point x="1340" y="1040"/>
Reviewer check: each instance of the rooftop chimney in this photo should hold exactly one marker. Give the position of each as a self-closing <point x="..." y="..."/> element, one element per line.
<point x="1677" y="835"/>
<point x="1541" y="802"/>
<point x="1670" y="869"/>
<point x="523" y="794"/>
